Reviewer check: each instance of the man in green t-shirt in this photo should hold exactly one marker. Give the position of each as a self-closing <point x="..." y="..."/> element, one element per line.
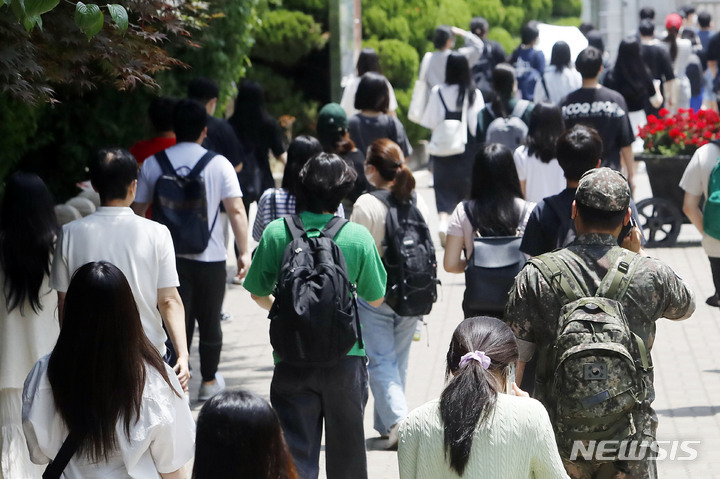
<point x="304" y="396"/>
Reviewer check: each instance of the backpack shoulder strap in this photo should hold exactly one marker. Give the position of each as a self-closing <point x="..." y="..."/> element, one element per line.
<point x="468" y="213"/>
<point x="556" y="272"/>
<point x="382" y="195"/>
<point x="442" y="100"/>
<point x="333" y="227"/>
<point x="201" y="164"/>
<point x="524" y="216"/>
<point x="612" y="285"/>
<point x="520" y="108"/>
<point x="547" y="92"/>
<point x="164" y="163"/>
<point x="295" y="225"/>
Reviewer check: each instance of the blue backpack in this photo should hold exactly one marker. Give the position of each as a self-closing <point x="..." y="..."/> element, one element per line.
<point x="180" y="203"/>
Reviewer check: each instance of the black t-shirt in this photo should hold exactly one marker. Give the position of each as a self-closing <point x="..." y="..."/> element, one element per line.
<point x="713" y="48"/>
<point x="657" y="59"/>
<point x="636" y="96"/>
<point x="357" y="160"/>
<point x="221" y="138"/>
<point x="606" y="111"/>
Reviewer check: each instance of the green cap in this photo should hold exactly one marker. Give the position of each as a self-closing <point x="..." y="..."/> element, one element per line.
<point x="331" y="119"/>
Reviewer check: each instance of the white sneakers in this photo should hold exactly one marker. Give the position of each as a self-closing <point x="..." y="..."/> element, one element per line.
<point x="209" y="390"/>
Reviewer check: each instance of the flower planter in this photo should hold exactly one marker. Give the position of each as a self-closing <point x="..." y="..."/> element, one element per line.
<point x="661" y="216"/>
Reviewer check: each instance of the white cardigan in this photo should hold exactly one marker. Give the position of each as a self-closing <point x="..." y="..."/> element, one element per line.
<point x="516" y="442"/>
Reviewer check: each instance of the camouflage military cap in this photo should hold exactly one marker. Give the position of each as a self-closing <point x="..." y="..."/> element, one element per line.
<point x="603" y="189"/>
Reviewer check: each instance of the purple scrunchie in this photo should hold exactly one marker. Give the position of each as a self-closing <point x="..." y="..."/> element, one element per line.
<point x="478" y="356"/>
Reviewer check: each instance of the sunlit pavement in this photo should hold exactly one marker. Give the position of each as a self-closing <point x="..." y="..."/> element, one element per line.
<point x="686" y="357"/>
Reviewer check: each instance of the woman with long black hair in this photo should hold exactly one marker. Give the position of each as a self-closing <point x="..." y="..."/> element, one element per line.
<point x="559" y="78"/>
<point x="631" y="78"/>
<point x="238" y="437"/>
<point x="457" y="97"/>
<point x="28" y="319"/>
<point x="496" y="208"/>
<point x="259" y="134"/>
<point x="106" y="389"/>
<point x="538" y="170"/>
<point x="481" y="426"/>
<point x="505" y="103"/>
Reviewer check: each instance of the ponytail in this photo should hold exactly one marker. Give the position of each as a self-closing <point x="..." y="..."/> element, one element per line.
<point x="480" y="348"/>
<point x="466" y="402"/>
<point x="404" y="184"/>
<point x="672" y="40"/>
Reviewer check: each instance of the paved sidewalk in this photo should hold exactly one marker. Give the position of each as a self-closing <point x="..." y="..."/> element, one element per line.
<point x="687" y="365"/>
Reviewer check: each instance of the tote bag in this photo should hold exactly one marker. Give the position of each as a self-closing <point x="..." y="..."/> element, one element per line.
<point x="419" y="99"/>
<point x="450" y="136"/>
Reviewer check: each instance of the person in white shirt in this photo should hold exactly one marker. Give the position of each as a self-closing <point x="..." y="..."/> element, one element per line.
<point x="141" y="248"/>
<point x="482" y="425"/>
<point x="202" y="275"/>
<point x="452" y="174"/>
<point x="106" y="389"/>
<point x="538" y="170"/>
<point x="559" y="78"/>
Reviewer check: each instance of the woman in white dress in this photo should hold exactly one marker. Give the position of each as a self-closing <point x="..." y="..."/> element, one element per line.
<point x="481" y="426"/>
<point x="559" y="78"/>
<point x="106" y="389"/>
<point x="28" y="321"/>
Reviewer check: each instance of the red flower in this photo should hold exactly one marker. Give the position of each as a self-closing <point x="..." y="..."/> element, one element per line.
<point x="708" y="134"/>
<point x="663" y="112"/>
<point x="674" y="132"/>
<point x="652" y="119"/>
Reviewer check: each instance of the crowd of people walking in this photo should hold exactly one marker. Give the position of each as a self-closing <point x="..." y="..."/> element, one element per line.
<point x="533" y="177"/>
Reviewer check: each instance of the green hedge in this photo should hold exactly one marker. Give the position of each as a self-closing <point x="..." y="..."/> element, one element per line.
<point x="398" y="60"/>
<point x="285" y="36"/>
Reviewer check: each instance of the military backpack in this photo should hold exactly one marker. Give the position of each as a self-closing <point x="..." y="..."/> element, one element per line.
<point x="593" y="375"/>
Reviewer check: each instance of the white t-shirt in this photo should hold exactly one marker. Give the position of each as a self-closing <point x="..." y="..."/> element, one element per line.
<point x="541" y="179"/>
<point x="558" y="84"/>
<point x="162" y="440"/>
<point x="435" y="112"/>
<point x="371" y="213"/>
<point x="459" y="224"/>
<point x="348" y="97"/>
<point x="695" y="181"/>
<point x="140" y="248"/>
<point x="220" y="183"/>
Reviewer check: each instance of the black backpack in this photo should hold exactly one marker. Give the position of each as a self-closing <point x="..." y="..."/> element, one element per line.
<point x="314" y="319"/>
<point x="180" y="203"/>
<point x="408" y="257"/>
<point x="482" y="70"/>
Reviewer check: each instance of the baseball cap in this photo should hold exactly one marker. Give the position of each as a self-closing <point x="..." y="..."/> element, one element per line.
<point x="673" y="21"/>
<point x="603" y="189"/>
<point x="331" y="119"/>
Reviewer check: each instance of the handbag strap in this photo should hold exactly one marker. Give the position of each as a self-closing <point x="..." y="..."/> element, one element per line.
<point x="56" y="467"/>
<point x="524" y="216"/>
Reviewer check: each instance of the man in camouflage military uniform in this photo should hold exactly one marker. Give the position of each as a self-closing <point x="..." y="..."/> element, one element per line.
<point x="600" y="210"/>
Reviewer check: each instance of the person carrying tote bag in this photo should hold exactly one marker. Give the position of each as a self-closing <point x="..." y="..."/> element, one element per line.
<point x="452" y="113"/>
<point x="488" y="228"/>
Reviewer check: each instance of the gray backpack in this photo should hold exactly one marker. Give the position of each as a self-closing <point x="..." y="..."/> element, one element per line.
<point x="510" y="131"/>
<point x="592" y="377"/>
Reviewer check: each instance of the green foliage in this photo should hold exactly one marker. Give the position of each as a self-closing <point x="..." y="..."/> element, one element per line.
<point x="285" y="36"/>
<point x="568" y="21"/>
<point x="398" y="60"/>
<point x="492" y="10"/>
<point x="89" y="18"/>
<point x="319" y="9"/>
<point x="514" y="19"/>
<point x="567" y="8"/>
<point x="504" y="38"/>
<point x="220" y="50"/>
<point x="379" y="25"/>
<point x="18" y="131"/>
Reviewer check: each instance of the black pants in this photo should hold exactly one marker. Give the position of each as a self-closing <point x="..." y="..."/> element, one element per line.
<point x="715" y="269"/>
<point x="202" y="287"/>
<point x="304" y="396"/>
